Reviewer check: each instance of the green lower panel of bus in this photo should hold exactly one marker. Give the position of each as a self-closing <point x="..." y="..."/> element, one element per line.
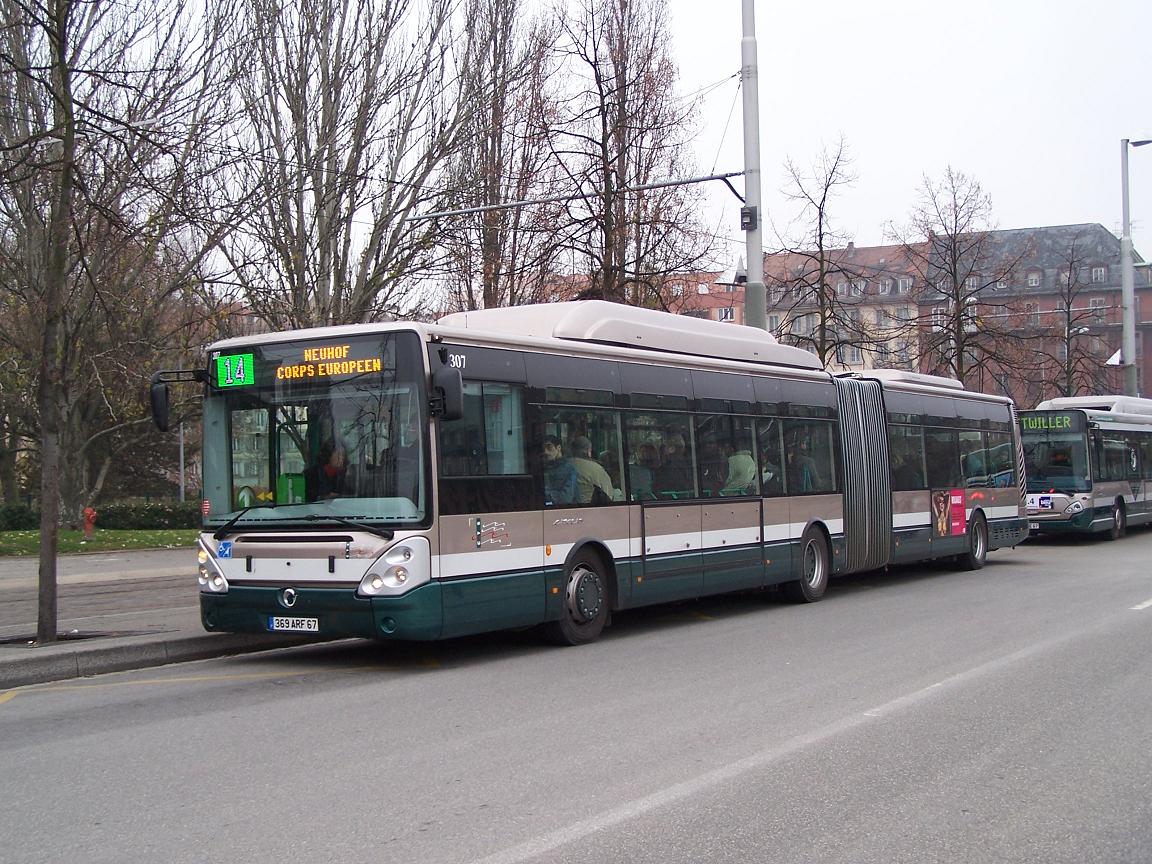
<point x="1077" y="524"/>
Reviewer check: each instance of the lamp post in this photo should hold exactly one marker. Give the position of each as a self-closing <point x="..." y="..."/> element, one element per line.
<point x="1127" y="284"/>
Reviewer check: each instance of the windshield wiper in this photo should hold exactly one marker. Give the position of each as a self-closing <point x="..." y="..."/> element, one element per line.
<point x="352" y="523"/>
<point x="220" y="532"/>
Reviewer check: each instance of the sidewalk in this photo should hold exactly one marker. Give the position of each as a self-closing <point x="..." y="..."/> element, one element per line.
<point x="126" y="610"/>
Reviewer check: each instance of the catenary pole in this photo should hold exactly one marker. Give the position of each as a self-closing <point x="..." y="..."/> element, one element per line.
<point x="751" y="217"/>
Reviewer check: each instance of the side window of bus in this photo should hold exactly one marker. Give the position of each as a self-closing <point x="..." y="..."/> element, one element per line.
<point x="726" y="464"/>
<point x="942" y="454"/>
<point x="661" y="442"/>
<point x="809" y="460"/>
<point x="906" y="454"/>
<point x="579" y="459"/>
<point x="974" y="458"/>
<point x="1001" y="459"/>
<point x="483" y="460"/>
<point x="1112" y="456"/>
<point x="769" y="435"/>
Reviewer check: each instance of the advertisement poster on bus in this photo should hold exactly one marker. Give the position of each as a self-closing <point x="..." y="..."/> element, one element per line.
<point x="948" y="513"/>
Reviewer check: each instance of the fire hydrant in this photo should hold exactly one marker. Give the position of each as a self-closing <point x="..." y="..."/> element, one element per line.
<point x="89" y="522"/>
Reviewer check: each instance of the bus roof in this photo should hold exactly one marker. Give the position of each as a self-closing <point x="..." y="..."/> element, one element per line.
<point x="597" y="321"/>
<point x="1111" y="404"/>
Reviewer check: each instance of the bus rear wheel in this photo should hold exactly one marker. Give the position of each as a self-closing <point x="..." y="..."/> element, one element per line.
<point x="586" y="601"/>
<point x="815" y="567"/>
<point x="1119" y="522"/>
<point x="977" y="554"/>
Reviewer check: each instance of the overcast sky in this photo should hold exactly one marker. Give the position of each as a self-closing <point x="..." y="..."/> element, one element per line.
<point x="1030" y="98"/>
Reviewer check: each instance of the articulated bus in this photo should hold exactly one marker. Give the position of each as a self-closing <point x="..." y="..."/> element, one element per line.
<point x="1089" y="464"/>
<point x="549" y="465"/>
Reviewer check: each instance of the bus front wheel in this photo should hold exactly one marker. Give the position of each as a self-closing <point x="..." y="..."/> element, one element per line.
<point x="815" y="567"/>
<point x="586" y="601"/>
<point x="1119" y="522"/>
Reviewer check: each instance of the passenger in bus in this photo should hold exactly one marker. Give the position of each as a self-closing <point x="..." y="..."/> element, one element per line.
<point x="803" y="475"/>
<point x="326" y="479"/>
<point x="642" y="470"/>
<point x="907" y="474"/>
<point x="674" y="478"/>
<point x="713" y="466"/>
<point x="741" y="479"/>
<point x="559" y="474"/>
<point x="593" y="485"/>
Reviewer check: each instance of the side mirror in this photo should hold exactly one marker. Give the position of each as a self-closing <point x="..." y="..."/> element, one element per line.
<point x="158" y="396"/>
<point x="447" y="394"/>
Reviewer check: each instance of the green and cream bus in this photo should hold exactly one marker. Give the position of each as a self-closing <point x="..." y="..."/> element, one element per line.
<point x="1089" y="464"/>
<point x="549" y="465"/>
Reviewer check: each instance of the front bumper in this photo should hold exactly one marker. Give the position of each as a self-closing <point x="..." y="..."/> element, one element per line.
<point x="417" y="615"/>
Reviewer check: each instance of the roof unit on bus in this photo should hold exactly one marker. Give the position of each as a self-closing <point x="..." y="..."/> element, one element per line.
<point x="903" y="376"/>
<point x="615" y="324"/>
<point x="1112" y="404"/>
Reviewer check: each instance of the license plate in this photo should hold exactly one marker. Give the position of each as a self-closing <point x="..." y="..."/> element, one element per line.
<point x="294" y="625"/>
<point x="1033" y="526"/>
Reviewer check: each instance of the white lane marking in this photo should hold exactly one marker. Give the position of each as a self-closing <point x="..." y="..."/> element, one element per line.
<point x="757" y="761"/>
<point x="1147" y="604"/>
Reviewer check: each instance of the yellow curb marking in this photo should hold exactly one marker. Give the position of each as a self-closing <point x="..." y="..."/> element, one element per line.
<point x="7" y="697"/>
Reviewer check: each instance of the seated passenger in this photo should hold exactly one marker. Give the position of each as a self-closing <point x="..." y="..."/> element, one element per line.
<point x="326" y="478"/>
<point x="590" y="474"/>
<point x="741" y="479"/>
<point x="674" y="479"/>
<point x="559" y="473"/>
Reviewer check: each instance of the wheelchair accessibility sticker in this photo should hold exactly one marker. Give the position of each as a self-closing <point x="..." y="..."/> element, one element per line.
<point x="224" y="550"/>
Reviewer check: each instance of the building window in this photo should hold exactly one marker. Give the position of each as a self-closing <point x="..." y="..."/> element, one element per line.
<point x="881" y="319"/>
<point x="939" y="317"/>
<point x="1033" y="279"/>
<point x="858" y="287"/>
<point x="1099" y="275"/>
<point x="1031" y="315"/>
<point x="1001" y="284"/>
<point x="972" y="283"/>
<point x="773" y="323"/>
<point x="904" y="313"/>
<point x="841" y="288"/>
<point x="725" y="313"/>
<point x="904" y="284"/>
<point x="884" y="286"/>
<point x="1096" y="304"/>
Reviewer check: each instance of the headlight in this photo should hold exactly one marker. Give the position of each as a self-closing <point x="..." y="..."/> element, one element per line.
<point x="1075" y="507"/>
<point x="211" y="580"/>
<point x="401" y="568"/>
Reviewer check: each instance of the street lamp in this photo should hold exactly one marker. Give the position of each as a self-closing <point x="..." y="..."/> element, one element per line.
<point x="1127" y="288"/>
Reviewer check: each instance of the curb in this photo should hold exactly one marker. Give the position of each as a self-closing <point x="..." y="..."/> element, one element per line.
<point x="99" y="660"/>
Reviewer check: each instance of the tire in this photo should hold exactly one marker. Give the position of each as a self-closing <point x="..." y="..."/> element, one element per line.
<point x="977" y="554"/>
<point x="586" y="601"/>
<point x="815" y="568"/>
<point x="1119" y="522"/>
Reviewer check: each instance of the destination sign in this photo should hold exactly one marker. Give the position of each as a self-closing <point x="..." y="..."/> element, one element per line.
<point x="327" y="361"/>
<point x="1050" y="422"/>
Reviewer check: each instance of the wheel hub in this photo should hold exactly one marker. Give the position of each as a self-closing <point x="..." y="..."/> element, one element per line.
<point x="585" y="595"/>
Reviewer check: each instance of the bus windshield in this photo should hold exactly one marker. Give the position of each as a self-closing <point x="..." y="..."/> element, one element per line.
<point x="309" y="429"/>
<point x="1055" y="451"/>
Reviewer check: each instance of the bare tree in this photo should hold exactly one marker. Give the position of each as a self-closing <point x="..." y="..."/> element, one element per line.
<point x="505" y="254"/>
<point x="623" y="129"/>
<point x="960" y="271"/>
<point x="106" y="111"/>
<point x="350" y="110"/>
<point x="814" y="263"/>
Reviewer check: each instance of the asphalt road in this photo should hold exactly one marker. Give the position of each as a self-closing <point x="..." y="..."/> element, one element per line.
<point x="918" y="716"/>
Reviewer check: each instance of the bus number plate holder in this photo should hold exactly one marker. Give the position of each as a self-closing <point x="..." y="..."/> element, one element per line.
<point x="294" y="625"/>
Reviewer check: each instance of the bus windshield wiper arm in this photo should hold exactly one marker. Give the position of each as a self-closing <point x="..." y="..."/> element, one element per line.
<point x="352" y="523"/>
<point x="219" y="533"/>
